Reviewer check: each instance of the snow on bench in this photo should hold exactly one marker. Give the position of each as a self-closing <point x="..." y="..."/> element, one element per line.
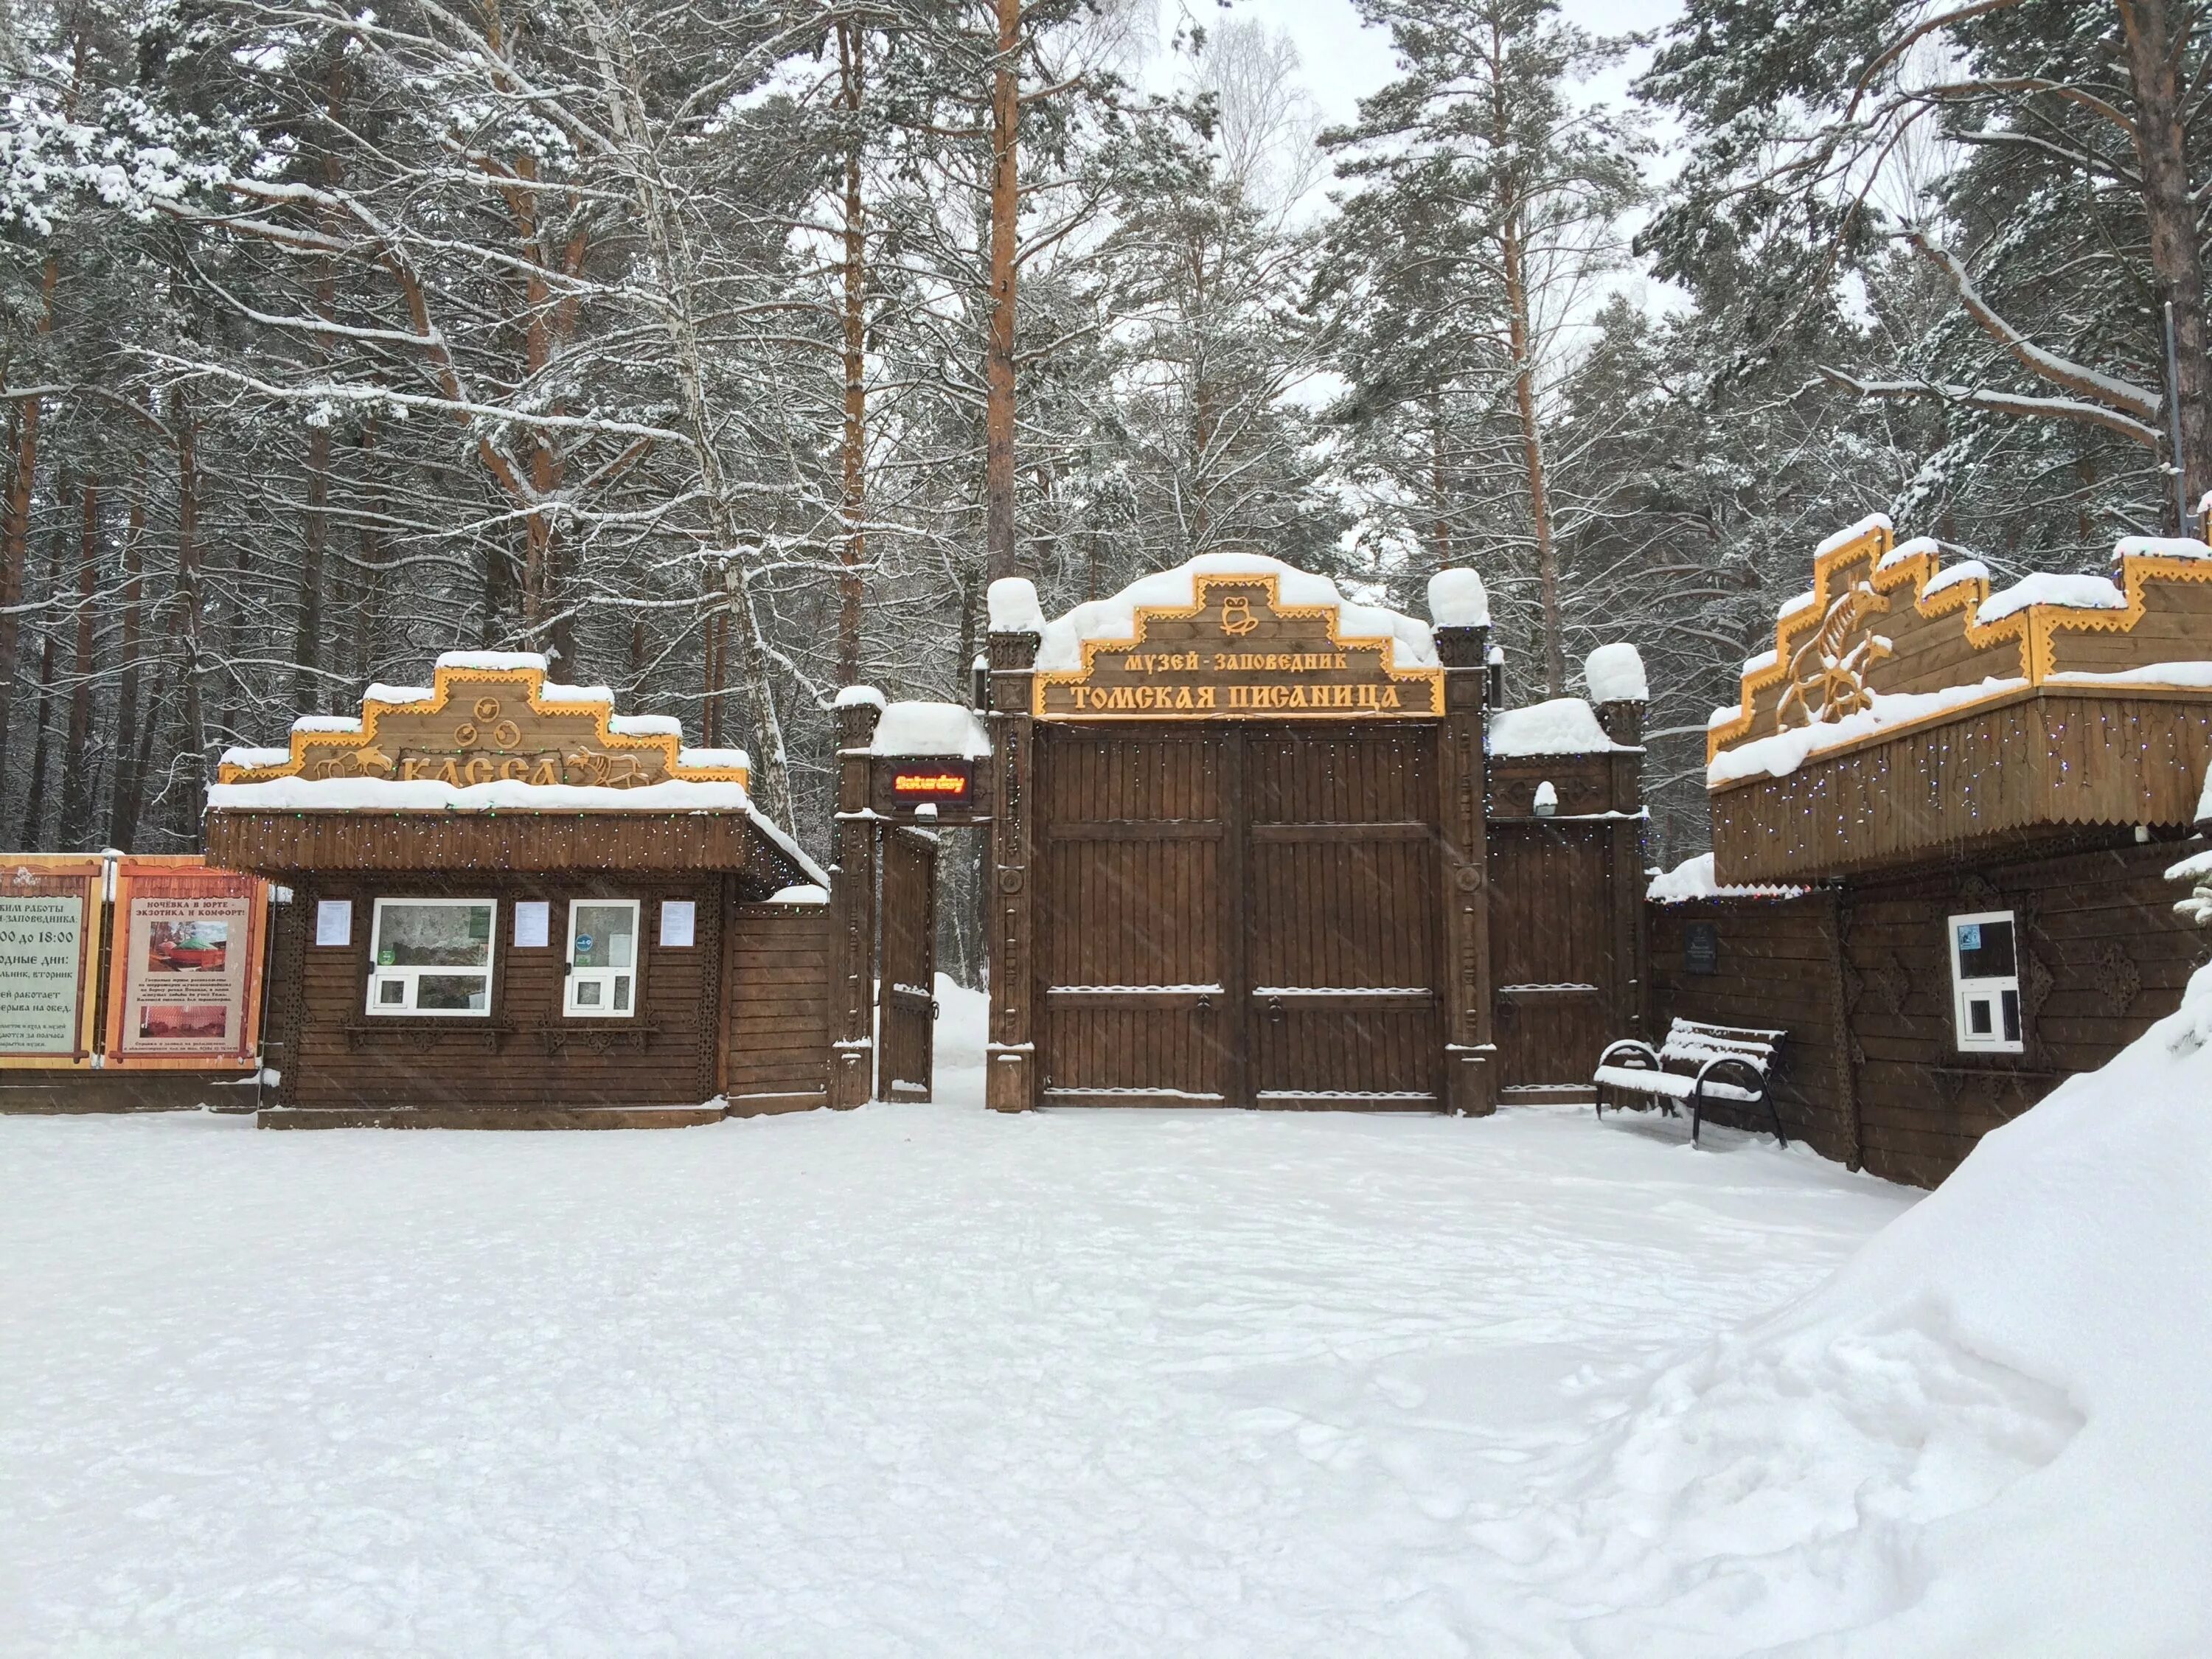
<point x="1698" y="1062"/>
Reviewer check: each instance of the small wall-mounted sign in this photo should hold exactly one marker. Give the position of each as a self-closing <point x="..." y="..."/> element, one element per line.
<point x="932" y="780"/>
<point x="1701" y="948"/>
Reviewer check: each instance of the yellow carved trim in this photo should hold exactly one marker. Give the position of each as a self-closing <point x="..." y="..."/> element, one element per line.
<point x="445" y="683"/>
<point x="2032" y="627"/>
<point x="1327" y="615"/>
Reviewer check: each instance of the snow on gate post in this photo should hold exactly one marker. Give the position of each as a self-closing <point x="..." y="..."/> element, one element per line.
<point x="1016" y="624"/>
<point x="1460" y="611"/>
<point x="853" y="903"/>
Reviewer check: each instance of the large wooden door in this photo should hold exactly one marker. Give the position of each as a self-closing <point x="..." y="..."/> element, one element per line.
<point x="1550" y="888"/>
<point x="1131" y="921"/>
<point x="907" y="1002"/>
<point x="1238" y="916"/>
<point x="1342" y="919"/>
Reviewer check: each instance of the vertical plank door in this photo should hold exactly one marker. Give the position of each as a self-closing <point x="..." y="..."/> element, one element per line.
<point x="1555" y="968"/>
<point x="1132" y="953"/>
<point x="1343" y="919"/>
<point x="908" y="962"/>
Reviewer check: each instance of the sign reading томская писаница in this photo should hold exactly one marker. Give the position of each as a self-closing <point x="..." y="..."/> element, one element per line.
<point x="41" y="972"/>
<point x="1238" y="655"/>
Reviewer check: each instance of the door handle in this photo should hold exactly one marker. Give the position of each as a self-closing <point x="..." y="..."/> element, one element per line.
<point x="1275" y="1010"/>
<point x="935" y="1011"/>
<point x="1204" y="1004"/>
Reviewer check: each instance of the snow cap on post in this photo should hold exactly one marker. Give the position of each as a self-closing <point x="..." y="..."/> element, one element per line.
<point x="1013" y="607"/>
<point x="1614" y="673"/>
<point x="1457" y="599"/>
<point x="858" y="708"/>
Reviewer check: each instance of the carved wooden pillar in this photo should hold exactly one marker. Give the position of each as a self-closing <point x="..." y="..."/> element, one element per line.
<point x="1470" y="1046"/>
<point x="1632" y="936"/>
<point x="1009" y="1057"/>
<point x="853" y="904"/>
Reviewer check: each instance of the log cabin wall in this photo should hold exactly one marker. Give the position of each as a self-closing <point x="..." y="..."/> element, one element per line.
<point x="2103" y="956"/>
<point x="1775" y="966"/>
<point x="777" y="1002"/>
<point x="335" y="1056"/>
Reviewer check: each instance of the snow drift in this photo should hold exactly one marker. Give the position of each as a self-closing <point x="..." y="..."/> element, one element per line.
<point x="1982" y="1435"/>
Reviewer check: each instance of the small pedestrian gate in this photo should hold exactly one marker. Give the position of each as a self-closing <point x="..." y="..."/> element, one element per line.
<point x="906" y="958"/>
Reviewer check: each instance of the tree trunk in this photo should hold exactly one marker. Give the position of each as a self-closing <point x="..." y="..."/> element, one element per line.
<point x="188" y="597"/>
<point x="76" y="755"/>
<point x="2155" y="64"/>
<point x="34" y="803"/>
<point x="998" y="555"/>
<point x="851" y="65"/>
<point x="1440" y="531"/>
<point x="1532" y="455"/>
<point x="372" y="557"/>
<point x="129" y="775"/>
<point x="15" y="524"/>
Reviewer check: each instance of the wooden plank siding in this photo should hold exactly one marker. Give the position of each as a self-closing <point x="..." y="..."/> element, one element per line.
<point x="776" y="1009"/>
<point x="526" y="1053"/>
<point x="284" y="842"/>
<point x="2104" y="956"/>
<point x="2036" y="762"/>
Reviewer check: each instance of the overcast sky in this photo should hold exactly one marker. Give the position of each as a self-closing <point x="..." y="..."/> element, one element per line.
<point x="1343" y="61"/>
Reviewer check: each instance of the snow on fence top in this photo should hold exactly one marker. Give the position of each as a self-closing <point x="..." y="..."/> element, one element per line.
<point x="931" y="728"/>
<point x="1458" y="599"/>
<point x="1115" y="619"/>
<point x="1614" y="673"/>
<point x="1565" y="725"/>
<point x="1694" y="878"/>
<point x="1869" y="648"/>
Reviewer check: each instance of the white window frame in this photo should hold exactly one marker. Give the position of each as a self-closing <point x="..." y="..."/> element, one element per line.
<point x="1990" y="991"/>
<point x="379" y="976"/>
<point x="572" y="975"/>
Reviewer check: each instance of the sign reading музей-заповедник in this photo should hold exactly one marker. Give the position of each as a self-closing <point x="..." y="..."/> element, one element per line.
<point x="1239" y="653"/>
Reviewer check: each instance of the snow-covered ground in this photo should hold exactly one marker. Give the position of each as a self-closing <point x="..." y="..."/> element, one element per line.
<point x="920" y="1380"/>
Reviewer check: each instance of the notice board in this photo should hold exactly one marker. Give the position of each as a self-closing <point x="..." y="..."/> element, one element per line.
<point x="49" y="908"/>
<point x="185" y="966"/>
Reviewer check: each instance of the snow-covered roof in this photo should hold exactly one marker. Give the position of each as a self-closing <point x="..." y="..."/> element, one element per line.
<point x="1614" y="673"/>
<point x="931" y="728"/>
<point x="1116" y="618"/>
<point x="1694" y="878"/>
<point x="1784" y="752"/>
<point x="294" y="794"/>
<point x="2050" y="587"/>
<point x="1565" y="725"/>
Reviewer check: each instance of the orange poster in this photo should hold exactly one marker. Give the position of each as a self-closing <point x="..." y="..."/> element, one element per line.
<point x="185" y="966"/>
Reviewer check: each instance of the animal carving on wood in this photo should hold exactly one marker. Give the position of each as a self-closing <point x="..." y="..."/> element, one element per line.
<point x="1827" y="673"/>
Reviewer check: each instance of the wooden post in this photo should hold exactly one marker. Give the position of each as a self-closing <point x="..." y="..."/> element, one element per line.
<point x="1009" y="1058"/>
<point x="853" y="904"/>
<point x="1470" y="1043"/>
<point x="1632" y="977"/>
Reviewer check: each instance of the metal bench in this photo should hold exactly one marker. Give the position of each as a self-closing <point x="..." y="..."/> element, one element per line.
<point x="1698" y="1063"/>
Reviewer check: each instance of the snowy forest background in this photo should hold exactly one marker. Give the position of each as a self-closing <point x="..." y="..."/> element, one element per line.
<point x="657" y="335"/>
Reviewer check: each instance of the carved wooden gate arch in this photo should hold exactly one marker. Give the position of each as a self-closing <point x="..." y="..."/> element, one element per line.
<point x="1238" y="853"/>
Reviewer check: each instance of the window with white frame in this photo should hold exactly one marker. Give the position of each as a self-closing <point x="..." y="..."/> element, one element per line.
<point x="1986" y="983"/>
<point x="602" y="960"/>
<point x="431" y="956"/>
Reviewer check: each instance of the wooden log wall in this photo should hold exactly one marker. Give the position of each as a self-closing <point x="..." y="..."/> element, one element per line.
<point x="525" y="1055"/>
<point x="2104" y="956"/>
<point x="776" y="1030"/>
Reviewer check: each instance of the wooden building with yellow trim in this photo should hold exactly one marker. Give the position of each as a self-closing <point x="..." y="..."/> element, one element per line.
<point x="1971" y="796"/>
<point x="511" y="905"/>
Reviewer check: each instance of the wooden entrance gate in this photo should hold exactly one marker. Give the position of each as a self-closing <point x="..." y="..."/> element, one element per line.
<point x="907" y="962"/>
<point x="1243" y="916"/>
<point x="1554" y="952"/>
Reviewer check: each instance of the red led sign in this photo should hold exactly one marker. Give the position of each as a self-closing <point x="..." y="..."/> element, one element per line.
<point x="939" y="780"/>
